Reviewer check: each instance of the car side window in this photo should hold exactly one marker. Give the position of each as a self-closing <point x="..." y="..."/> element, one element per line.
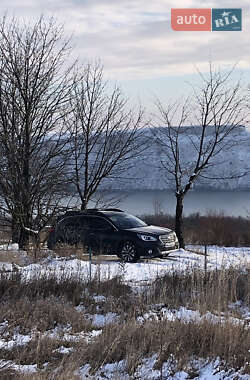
<point x="69" y="225"/>
<point x="84" y="223"/>
<point x="97" y="223"/>
<point x="67" y="222"/>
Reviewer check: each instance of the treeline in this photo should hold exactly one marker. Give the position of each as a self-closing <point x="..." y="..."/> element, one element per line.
<point x="212" y="228"/>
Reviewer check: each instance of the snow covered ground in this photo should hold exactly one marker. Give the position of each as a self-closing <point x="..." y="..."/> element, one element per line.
<point x="206" y="370"/>
<point x="142" y="271"/>
<point x="136" y="275"/>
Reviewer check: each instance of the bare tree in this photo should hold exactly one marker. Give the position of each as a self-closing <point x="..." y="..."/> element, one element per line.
<point x="207" y="119"/>
<point x="35" y="88"/>
<point x="105" y="133"/>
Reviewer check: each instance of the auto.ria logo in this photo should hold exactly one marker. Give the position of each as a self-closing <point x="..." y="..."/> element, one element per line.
<point x="206" y="19"/>
<point x="226" y="19"/>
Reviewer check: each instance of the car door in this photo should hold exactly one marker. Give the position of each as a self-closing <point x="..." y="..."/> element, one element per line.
<point x="69" y="230"/>
<point x="101" y="234"/>
<point x="83" y="229"/>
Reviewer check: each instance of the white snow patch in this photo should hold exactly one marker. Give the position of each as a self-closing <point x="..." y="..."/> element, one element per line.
<point x="9" y="247"/>
<point x="17" y="340"/>
<point x="64" y="333"/>
<point x="64" y="350"/>
<point x="101" y="320"/>
<point x="205" y="371"/>
<point x="243" y="310"/>
<point x="92" y="334"/>
<point x="108" y="371"/>
<point x="186" y="315"/>
<point x="99" y="298"/>
<point x="26" y="368"/>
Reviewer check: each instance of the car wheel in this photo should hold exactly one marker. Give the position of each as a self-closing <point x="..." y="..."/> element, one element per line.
<point x="51" y="242"/>
<point x="51" y="245"/>
<point x="128" y="252"/>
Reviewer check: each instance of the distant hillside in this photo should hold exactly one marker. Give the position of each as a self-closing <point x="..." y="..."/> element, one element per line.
<point x="146" y="171"/>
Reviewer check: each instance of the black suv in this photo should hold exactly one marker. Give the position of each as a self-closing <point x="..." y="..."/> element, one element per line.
<point x="113" y="231"/>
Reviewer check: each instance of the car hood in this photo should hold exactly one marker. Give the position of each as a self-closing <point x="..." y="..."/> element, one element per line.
<point x="154" y="230"/>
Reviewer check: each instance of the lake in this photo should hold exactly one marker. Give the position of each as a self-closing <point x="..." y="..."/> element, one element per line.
<point x="236" y="203"/>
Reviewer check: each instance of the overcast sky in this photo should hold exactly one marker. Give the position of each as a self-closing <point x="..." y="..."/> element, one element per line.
<point x="134" y="40"/>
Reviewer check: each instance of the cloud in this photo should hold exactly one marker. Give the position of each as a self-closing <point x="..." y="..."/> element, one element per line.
<point x="133" y="38"/>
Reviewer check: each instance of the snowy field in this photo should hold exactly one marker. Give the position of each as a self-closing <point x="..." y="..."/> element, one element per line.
<point x="143" y="271"/>
<point x="136" y="275"/>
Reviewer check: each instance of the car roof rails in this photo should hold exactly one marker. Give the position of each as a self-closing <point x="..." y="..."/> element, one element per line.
<point x="72" y="212"/>
<point x="90" y="210"/>
<point x="112" y="209"/>
<point x="86" y="211"/>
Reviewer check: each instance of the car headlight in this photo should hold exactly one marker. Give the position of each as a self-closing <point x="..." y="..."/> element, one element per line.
<point x="146" y="237"/>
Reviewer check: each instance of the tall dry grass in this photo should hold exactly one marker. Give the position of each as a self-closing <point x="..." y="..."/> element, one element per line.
<point x="40" y="305"/>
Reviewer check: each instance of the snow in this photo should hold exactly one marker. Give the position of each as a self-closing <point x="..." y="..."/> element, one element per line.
<point x="17" y="340"/>
<point x="3" y="326"/>
<point x="206" y="371"/>
<point x="9" y="247"/>
<point x="136" y="274"/>
<point x="64" y="350"/>
<point x="146" y="173"/>
<point x="64" y="333"/>
<point x="30" y="230"/>
<point x="99" y="298"/>
<point x="107" y="371"/>
<point x="144" y="271"/>
<point x="243" y="310"/>
<point x="186" y="315"/>
<point x="101" y="320"/>
<point x="92" y="334"/>
<point x="26" y="368"/>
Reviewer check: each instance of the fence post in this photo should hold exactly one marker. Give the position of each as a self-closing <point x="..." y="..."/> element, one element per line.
<point x="90" y="264"/>
<point x="205" y="263"/>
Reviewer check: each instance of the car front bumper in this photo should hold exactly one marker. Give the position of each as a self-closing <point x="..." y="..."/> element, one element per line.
<point x="156" y="249"/>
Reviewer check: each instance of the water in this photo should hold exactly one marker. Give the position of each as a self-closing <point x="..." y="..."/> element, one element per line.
<point x="236" y="203"/>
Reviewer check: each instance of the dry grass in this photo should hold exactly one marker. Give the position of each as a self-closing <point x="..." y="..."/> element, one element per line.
<point x="213" y="291"/>
<point x="181" y="340"/>
<point x="14" y="257"/>
<point x="46" y="302"/>
<point x="42" y="315"/>
<point x="64" y="373"/>
<point x="7" y="372"/>
<point x="12" y="286"/>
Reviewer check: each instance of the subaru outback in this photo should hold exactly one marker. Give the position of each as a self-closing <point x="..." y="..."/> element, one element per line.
<point x="113" y="231"/>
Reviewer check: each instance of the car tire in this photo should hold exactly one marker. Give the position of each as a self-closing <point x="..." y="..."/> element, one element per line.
<point x="128" y="252"/>
<point x="51" y="242"/>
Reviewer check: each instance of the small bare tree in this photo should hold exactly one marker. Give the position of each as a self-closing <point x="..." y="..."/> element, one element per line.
<point x="35" y="89"/>
<point x="105" y="133"/>
<point x="214" y="111"/>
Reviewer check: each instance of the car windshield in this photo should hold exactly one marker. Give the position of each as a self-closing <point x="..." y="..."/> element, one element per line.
<point x="126" y="221"/>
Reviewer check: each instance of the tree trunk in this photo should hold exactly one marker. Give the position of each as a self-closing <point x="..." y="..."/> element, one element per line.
<point x="84" y="204"/>
<point x="15" y="230"/>
<point x="179" y="219"/>
<point x="19" y="234"/>
<point x="23" y="238"/>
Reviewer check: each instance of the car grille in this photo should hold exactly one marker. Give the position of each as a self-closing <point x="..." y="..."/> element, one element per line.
<point x="168" y="239"/>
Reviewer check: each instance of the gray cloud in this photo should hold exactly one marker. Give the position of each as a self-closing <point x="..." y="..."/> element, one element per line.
<point x="133" y="38"/>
